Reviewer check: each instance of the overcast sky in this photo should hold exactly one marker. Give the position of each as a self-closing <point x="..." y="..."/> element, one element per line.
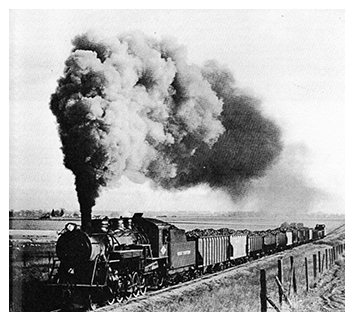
<point x="292" y="60"/>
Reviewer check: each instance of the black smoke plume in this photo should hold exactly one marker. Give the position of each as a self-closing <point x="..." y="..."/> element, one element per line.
<point x="248" y="146"/>
<point x="132" y="106"/>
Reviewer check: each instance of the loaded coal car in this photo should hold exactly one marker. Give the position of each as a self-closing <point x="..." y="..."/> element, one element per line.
<point x="238" y="248"/>
<point x="289" y="239"/>
<point x="310" y="234"/>
<point x="301" y="236"/>
<point x="321" y="230"/>
<point x="269" y="243"/>
<point x="212" y="252"/>
<point x="295" y="235"/>
<point x="315" y="234"/>
<point x="281" y="240"/>
<point x="286" y="229"/>
<point x="254" y="245"/>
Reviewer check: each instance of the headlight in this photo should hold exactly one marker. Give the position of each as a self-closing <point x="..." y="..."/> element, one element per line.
<point x="70" y="227"/>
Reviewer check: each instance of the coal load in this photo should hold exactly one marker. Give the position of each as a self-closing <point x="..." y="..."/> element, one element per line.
<point x="197" y="233"/>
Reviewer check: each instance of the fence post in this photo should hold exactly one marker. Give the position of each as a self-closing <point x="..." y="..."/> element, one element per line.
<point x="314" y="266"/>
<point x="334" y="253"/>
<point x="280" y="277"/>
<point x="319" y="262"/>
<point x="306" y="275"/>
<point x="293" y="276"/>
<point x="291" y="273"/>
<point x="263" y="294"/>
<point x="326" y="252"/>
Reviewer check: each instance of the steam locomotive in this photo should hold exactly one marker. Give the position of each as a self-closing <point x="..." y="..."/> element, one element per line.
<point x="123" y="257"/>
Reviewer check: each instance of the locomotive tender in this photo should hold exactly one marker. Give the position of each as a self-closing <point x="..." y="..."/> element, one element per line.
<point x="122" y="257"/>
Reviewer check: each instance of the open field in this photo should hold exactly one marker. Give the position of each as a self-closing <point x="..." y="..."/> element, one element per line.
<point x="187" y="222"/>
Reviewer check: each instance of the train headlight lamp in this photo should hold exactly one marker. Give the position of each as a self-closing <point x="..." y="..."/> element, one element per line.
<point x="70" y="227"/>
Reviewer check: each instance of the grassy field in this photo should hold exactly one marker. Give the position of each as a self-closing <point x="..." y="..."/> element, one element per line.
<point x="30" y="264"/>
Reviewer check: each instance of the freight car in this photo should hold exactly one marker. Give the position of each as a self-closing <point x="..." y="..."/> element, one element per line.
<point x="281" y="241"/>
<point x="124" y="257"/>
<point x="255" y="245"/>
<point x="269" y="243"/>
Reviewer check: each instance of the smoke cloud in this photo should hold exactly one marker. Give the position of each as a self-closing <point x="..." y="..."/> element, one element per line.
<point x="287" y="189"/>
<point x="133" y="106"/>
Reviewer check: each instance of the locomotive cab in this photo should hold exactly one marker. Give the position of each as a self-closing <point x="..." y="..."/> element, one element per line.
<point x="157" y="232"/>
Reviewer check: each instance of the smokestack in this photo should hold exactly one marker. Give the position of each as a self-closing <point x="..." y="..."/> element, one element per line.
<point x="133" y="106"/>
<point x="86" y="192"/>
<point x="86" y="219"/>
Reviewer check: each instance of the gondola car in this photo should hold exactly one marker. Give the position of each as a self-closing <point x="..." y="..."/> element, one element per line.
<point x="238" y="249"/>
<point x="281" y="241"/>
<point x="269" y="243"/>
<point x="212" y="252"/>
<point x="254" y="245"/>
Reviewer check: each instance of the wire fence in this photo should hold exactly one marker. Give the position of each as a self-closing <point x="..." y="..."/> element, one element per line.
<point x="295" y="277"/>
